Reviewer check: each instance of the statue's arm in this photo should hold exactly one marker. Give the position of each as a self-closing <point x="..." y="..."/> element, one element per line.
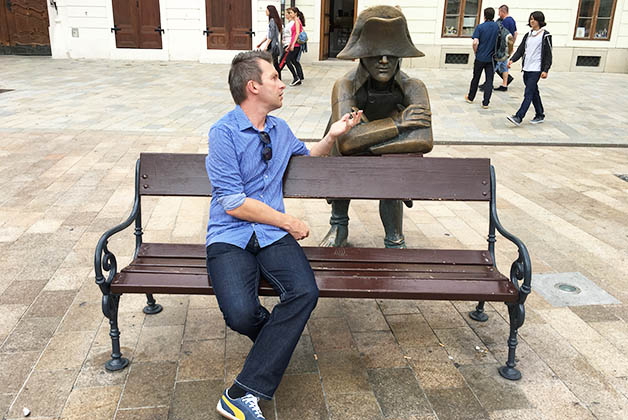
<point x="416" y="123"/>
<point x="364" y="135"/>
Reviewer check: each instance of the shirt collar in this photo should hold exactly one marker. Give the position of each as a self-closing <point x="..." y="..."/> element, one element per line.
<point x="244" y="123"/>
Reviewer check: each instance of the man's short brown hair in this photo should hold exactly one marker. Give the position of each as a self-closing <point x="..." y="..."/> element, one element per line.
<point x="504" y="8"/>
<point x="245" y="67"/>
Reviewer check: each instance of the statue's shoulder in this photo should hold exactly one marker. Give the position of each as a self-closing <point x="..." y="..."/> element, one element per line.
<point x="343" y="86"/>
<point x="409" y="82"/>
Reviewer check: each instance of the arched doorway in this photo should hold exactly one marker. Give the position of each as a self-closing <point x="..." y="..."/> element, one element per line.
<point x="337" y="19"/>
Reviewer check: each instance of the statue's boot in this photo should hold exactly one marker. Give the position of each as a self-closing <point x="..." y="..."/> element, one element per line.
<point x="339" y="230"/>
<point x="391" y="213"/>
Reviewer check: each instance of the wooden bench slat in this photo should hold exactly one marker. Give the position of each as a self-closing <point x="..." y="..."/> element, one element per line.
<point x="377" y="177"/>
<point x="331" y="286"/>
<point x="338" y="272"/>
<point x="373" y="255"/>
<point x="330" y="265"/>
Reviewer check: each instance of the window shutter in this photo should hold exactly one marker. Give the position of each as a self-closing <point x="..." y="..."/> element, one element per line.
<point x="149" y="24"/>
<point x="217" y="24"/>
<point x="125" y="23"/>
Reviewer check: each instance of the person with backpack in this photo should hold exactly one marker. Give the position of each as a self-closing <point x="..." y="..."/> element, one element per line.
<point x="484" y="40"/>
<point x="536" y="51"/>
<point x="294" y="47"/>
<point x="504" y="47"/>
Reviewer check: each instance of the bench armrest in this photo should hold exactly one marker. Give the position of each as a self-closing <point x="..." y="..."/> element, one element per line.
<point x="105" y="260"/>
<point x="521" y="268"/>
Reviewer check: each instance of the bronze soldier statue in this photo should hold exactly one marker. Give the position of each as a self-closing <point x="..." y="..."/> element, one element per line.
<point x="396" y="118"/>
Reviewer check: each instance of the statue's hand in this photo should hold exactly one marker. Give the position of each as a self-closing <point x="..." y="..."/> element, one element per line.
<point x="414" y="116"/>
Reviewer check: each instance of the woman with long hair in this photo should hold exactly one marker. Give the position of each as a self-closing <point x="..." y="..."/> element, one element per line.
<point x="293" y="49"/>
<point x="272" y="40"/>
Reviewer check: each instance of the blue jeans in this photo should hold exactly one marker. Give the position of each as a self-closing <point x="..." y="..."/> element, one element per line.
<point x="235" y="275"/>
<point x="531" y="95"/>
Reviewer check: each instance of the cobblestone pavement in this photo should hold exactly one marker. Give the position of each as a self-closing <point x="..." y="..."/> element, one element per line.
<point x="69" y="136"/>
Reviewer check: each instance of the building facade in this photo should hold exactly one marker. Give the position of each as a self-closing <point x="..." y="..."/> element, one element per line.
<point x="588" y="35"/>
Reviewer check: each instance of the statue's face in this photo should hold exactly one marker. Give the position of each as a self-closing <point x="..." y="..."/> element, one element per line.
<point x="381" y="68"/>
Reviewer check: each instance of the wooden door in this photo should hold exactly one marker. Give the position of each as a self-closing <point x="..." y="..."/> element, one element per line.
<point x="229" y="24"/>
<point x="25" y="27"/>
<point x="137" y="24"/>
<point x="149" y="24"/>
<point x="325" y="25"/>
<point x="125" y="23"/>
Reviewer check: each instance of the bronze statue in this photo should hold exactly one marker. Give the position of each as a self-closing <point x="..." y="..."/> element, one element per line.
<point x="396" y="118"/>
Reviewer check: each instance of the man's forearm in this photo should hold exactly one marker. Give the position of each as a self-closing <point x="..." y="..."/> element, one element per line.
<point x="323" y="146"/>
<point x="255" y="211"/>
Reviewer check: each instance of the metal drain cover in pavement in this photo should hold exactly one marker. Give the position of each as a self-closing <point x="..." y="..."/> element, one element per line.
<point x="5" y="90"/>
<point x="570" y="289"/>
<point x="623" y="177"/>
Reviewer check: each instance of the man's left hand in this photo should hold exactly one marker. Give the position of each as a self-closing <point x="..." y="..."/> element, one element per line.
<point x="346" y="123"/>
<point x="544" y="75"/>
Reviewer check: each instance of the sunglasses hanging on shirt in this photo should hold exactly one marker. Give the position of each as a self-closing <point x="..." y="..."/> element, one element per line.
<point x="267" y="150"/>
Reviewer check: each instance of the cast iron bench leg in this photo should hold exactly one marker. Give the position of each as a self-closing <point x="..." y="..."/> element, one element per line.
<point x="516" y="313"/>
<point x="479" y="314"/>
<point x="110" y="309"/>
<point x="152" y="307"/>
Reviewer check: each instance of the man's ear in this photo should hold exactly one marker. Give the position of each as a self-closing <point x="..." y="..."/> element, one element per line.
<point x="251" y="86"/>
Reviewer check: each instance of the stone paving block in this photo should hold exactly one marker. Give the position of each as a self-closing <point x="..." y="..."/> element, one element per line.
<point x="300" y="396"/>
<point x="157" y="413"/>
<point x="379" y="349"/>
<point x="149" y="384"/>
<point x="441" y="314"/>
<point x="196" y="400"/>
<point x="130" y="326"/>
<point x="30" y="334"/>
<point x="202" y="360"/>
<point x="51" y="304"/>
<point x="45" y="393"/>
<point x="5" y="403"/>
<point x="455" y="403"/>
<point x="342" y="371"/>
<point x="330" y="334"/>
<point x="10" y="314"/>
<point x="83" y="317"/>
<point x="93" y="372"/>
<point x="204" y="324"/>
<point x="22" y="292"/>
<point x="66" y="351"/>
<point x="594" y="313"/>
<point x="14" y="369"/>
<point x="398" y="393"/>
<point x="525" y="414"/>
<point x="398" y="307"/>
<point x="328" y="308"/>
<point x="464" y="346"/>
<point x="97" y="403"/>
<point x="303" y="359"/>
<point x="554" y="400"/>
<point x="364" y="315"/>
<point x="174" y="312"/>
<point x="159" y="343"/>
<point x="360" y="406"/>
<point x="493" y="391"/>
<point x="411" y="330"/>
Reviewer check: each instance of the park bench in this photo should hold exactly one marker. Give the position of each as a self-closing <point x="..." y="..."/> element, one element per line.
<point x="437" y="274"/>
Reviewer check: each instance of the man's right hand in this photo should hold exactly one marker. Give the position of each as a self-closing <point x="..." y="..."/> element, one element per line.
<point x="509" y="63"/>
<point x="297" y="228"/>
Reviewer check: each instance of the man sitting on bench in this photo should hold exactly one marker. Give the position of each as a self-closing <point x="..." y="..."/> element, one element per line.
<point x="249" y="233"/>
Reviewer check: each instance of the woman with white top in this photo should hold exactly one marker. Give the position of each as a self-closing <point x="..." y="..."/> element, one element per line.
<point x="272" y="40"/>
<point x="536" y="50"/>
<point x="294" y="48"/>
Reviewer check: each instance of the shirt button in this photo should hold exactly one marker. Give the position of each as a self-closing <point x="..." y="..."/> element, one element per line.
<point x="261" y="195"/>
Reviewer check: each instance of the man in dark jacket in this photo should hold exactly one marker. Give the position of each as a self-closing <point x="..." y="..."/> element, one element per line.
<point x="536" y="51"/>
<point x="484" y="39"/>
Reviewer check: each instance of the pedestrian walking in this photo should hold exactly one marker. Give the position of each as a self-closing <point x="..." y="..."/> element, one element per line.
<point x="249" y="234"/>
<point x="502" y="66"/>
<point x="272" y="40"/>
<point x="536" y="51"/>
<point x="484" y="40"/>
<point x="294" y="47"/>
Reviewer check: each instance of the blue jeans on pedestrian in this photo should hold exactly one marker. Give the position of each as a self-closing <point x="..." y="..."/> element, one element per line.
<point x="235" y="275"/>
<point x="531" y="95"/>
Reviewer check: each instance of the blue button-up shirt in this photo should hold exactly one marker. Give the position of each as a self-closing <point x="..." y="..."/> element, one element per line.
<point x="236" y="171"/>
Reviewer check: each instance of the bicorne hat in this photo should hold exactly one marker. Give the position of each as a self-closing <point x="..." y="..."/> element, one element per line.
<point x="380" y="30"/>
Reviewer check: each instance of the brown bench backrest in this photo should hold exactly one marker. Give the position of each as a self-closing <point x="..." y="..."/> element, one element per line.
<point x="352" y="177"/>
